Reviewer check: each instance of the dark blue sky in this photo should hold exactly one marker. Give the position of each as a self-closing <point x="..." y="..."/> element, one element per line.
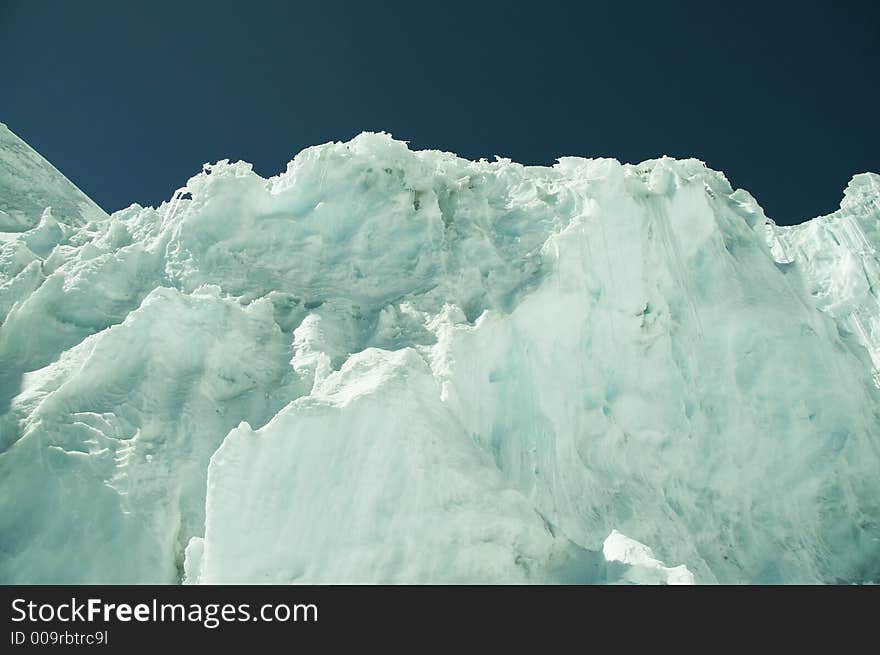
<point x="128" y="99"/>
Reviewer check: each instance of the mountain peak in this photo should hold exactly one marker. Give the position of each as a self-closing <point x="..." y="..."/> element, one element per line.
<point x="30" y="184"/>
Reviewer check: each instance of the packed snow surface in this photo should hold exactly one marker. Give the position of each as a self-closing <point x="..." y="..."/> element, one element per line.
<point x="394" y="366"/>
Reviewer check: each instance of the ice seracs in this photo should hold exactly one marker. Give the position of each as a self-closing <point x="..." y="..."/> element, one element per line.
<point x="839" y="259"/>
<point x="393" y="366"/>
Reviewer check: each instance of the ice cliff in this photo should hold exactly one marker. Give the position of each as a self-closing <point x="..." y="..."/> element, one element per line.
<point x="393" y="366"/>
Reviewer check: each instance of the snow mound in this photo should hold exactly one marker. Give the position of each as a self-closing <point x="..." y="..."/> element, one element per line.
<point x="645" y="568"/>
<point x="393" y="366"/>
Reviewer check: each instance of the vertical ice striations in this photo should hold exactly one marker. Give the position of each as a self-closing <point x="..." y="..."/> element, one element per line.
<point x="838" y="256"/>
<point x="395" y="366"/>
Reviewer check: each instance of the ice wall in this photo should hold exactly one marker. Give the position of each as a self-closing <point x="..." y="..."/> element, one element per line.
<point x="838" y="256"/>
<point x="395" y="366"/>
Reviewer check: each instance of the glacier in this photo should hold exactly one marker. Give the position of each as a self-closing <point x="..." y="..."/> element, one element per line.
<point x="395" y="366"/>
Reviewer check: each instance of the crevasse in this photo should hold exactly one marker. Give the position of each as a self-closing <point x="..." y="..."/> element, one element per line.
<point x="394" y="366"/>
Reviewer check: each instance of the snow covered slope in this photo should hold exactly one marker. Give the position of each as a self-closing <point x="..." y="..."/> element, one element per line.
<point x="30" y="184"/>
<point x="395" y="366"/>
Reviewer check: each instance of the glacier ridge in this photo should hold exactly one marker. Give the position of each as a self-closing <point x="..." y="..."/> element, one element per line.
<point x="397" y="366"/>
